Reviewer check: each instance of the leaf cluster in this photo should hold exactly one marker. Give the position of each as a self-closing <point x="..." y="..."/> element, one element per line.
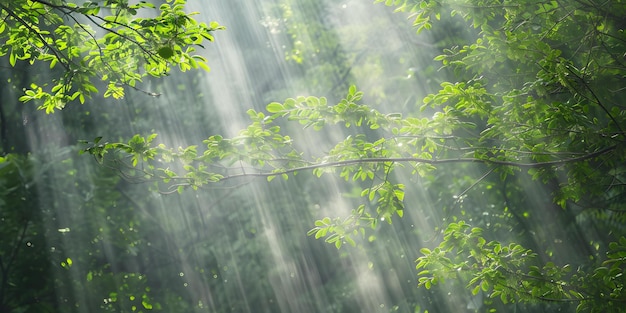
<point x="510" y="272"/>
<point x="91" y="47"/>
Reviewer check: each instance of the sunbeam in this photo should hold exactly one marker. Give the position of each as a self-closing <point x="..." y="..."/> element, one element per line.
<point x="332" y="156"/>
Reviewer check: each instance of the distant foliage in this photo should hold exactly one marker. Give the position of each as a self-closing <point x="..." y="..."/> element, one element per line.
<point x="23" y="261"/>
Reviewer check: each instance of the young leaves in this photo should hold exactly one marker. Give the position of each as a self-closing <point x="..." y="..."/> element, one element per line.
<point x="120" y="49"/>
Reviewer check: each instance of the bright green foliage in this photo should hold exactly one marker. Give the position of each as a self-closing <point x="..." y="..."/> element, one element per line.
<point x="512" y="273"/>
<point x="95" y="45"/>
<point x="539" y="94"/>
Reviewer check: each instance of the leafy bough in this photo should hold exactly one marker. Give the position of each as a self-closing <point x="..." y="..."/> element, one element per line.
<point x="118" y="49"/>
<point x="262" y="150"/>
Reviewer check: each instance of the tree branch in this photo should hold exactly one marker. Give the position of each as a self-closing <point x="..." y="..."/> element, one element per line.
<point x="425" y="161"/>
<point x="65" y="61"/>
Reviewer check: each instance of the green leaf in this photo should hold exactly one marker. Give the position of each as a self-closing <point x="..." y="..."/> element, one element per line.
<point x="146" y="304"/>
<point x="338" y="244"/>
<point x="165" y="52"/>
<point x="475" y="290"/>
<point x="12" y="58"/>
<point x="484" y="285"/>
<point x="349" y="240"/>
<point x="321" y="233"/>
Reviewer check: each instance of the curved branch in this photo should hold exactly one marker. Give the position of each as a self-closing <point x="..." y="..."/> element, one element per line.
<point x="425" y="161"/>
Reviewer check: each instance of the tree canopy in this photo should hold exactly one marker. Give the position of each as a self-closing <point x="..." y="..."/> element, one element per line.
<point x="535" y="95"/>
<point x="117" y="48"/>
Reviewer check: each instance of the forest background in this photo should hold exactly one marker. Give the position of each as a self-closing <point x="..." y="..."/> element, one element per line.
<point x="478" y="166"/>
